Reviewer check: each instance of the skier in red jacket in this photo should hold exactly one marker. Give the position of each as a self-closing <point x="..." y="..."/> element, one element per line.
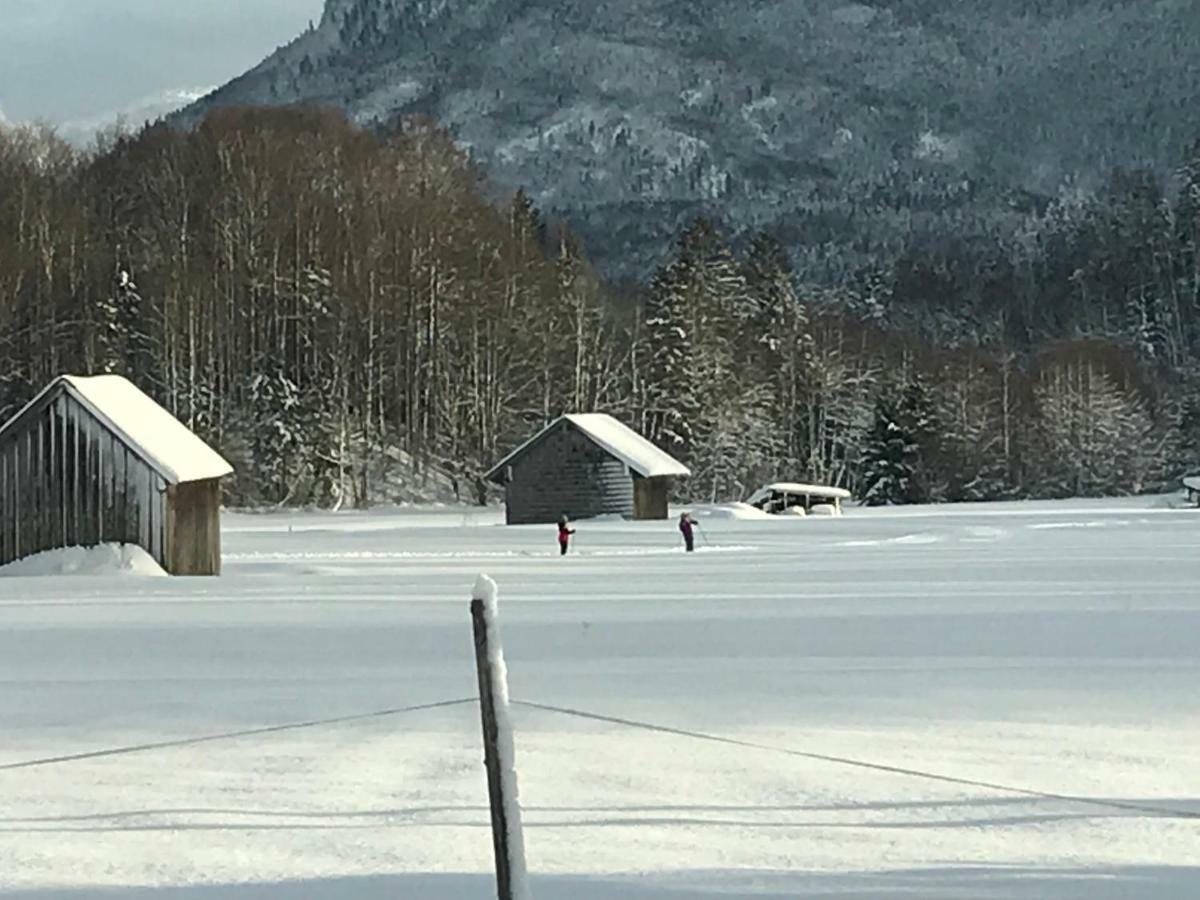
<point x="564" y="535"/>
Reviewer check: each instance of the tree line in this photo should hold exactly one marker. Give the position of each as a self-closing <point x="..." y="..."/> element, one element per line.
<point x="339" y="310"/>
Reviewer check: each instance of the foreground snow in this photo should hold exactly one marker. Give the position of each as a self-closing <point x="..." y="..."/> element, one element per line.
<point x="1044" y="646"/>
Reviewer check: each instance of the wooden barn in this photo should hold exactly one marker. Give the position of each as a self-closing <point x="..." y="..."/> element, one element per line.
<point x="93" y="461"/>
<point x="583" y="466"/>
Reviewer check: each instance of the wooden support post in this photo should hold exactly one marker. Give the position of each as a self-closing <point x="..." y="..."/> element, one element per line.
<point x="491" y="753"/>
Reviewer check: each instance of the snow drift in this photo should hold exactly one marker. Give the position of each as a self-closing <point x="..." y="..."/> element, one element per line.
<point x="106" y="559"/>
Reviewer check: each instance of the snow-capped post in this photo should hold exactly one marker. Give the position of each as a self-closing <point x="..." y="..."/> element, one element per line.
<point x="499" y="749"/>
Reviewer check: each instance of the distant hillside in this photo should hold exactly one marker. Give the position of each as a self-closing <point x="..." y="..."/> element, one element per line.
<point x="852" y="126"/>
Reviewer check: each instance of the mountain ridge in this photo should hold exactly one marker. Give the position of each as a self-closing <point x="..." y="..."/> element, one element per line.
<point x="859" y="126"/>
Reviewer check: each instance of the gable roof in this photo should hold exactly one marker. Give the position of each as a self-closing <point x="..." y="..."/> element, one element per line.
<point x="616" y="439"/>
<point x="165" y="443"/>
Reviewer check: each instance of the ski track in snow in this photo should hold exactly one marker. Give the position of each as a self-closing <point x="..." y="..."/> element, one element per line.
<point x="1046" y="646"/>
<point x="384" y="555"/>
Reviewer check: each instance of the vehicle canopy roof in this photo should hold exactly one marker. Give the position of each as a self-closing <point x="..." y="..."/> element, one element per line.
<point x="809" y="490"/>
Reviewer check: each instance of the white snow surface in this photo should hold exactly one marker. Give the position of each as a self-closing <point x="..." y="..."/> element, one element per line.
<point x="486" y="590"/>
<point x="962" y="641"/>
<point x="165" y="442"/>
<point x="105" y="559"/>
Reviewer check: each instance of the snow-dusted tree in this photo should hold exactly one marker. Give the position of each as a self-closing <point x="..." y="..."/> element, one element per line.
<point x="890" y="459"/>
<point x="689" y="338"/>
<point x="123" y="340"/>
<point x="969" y="400"/>
<point x="280" y="435"/>
<point x="740" y="448"/>
<point x="591" y="352"/>
<point x="838" y="395"/>
<point x="778" y="344"/>
<point x="1180" y="428"/>
<point x="1097" y="438"/>
<point x="333" y="446"/>
<point x="901" y="451"/>
<point x="671" y="402"/>
<point x="917" y="414"/>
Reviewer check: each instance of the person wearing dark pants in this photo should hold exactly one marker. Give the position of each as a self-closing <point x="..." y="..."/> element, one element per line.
<point x="686" y="525"/>
<point x="564" y="535"/>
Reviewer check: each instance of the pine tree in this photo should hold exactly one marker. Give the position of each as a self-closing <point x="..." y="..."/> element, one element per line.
<point x="1181" y="450"/>
<point x="890" y="459"/>
<point x="689" y="336"/>
<point x="281" y="434"/>
<point x="917" y="417"/>
<point x="123" y="340"/>
<point x="778" y="343"/>
<point x="672" y="401"/>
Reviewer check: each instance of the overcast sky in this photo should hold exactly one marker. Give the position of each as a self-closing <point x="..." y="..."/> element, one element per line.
<point x="72" y="61"/>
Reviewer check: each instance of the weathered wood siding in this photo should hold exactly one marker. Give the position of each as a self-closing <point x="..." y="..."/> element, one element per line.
<point x="66" y="480"/>
<point x="650" y="497"/>
<point x="567" y="473"/>
<point x="194" y="528"/>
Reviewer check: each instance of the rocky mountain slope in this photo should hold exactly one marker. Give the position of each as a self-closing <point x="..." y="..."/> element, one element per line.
<point x="848" y="125"/>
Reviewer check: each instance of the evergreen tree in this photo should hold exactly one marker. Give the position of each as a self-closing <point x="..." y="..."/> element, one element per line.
<point x="280" y="435"/>
<point x="122" y="333"/>
<point x="890" y="459"/>
<point x="526" y="220"/>
<point x="689" y="338"/>
<point x="917" y="418"/>
<point x="1181" y="451"/>
<point x="672" y="397"/>
<point x="777" y="343"/>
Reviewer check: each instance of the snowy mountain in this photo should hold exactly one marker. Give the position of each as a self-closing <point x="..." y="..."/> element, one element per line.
<point x="132" y="115"/>
<point x="832" y="122"/>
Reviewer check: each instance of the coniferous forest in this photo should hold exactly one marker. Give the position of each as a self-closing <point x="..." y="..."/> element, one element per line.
<point x="339" y="311"/>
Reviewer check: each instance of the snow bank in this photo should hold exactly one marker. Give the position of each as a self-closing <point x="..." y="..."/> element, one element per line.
<point x="737" y="510"/>
<point x="106" y="559"/>
<point x="485" y="590"/>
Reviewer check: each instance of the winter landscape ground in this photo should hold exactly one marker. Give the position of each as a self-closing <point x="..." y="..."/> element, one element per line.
<point x="1051" y="647"/>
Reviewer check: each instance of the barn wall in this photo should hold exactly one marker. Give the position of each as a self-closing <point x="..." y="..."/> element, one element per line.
<point x="650" y="497"/>
<point x="565" y="472"/>
<point x="65" y="480"/>
<point x="194" y="528"/>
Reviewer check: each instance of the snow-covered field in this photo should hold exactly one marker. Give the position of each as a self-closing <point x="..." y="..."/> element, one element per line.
<point x="1051" y="647"/>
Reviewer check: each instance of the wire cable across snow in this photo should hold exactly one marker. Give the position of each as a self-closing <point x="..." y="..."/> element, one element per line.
<point x="230" y="735"/>
<point x="1160" y="811"/>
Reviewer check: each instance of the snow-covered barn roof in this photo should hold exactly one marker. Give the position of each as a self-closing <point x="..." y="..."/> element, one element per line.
<point x="617" y="439"/>
<point x="151" y="432"/>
